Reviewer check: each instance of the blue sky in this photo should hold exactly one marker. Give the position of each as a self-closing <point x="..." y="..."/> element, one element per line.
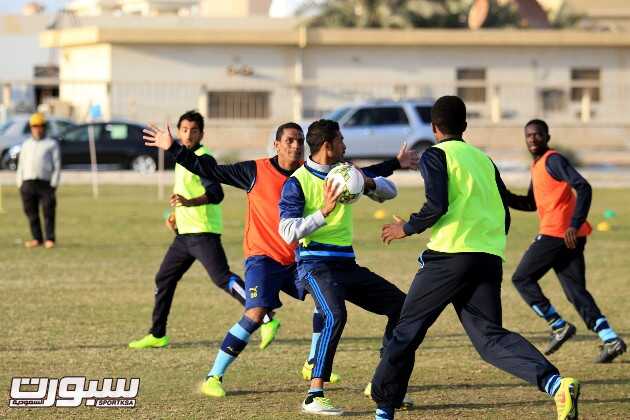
<point x="15" y="6"/>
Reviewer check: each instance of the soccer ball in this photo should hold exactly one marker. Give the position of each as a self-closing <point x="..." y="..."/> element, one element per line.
<point x="349" y="179"/>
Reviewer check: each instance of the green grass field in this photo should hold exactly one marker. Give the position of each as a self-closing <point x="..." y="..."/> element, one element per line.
<point x="72" y="311"/>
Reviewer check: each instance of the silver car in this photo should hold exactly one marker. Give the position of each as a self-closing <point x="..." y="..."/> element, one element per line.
<point x="376" y="129"/>
<point x="16" y="129"/>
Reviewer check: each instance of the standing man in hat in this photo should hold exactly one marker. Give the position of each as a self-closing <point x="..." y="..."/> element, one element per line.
<point x="39" y="167"/>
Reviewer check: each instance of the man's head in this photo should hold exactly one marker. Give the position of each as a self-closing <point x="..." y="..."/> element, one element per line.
<point x="190" y="128"/>
<point x="537" y="137"/>
<point x="289" y="142"/>
<point x="448" y="117"/>
<point x="324" y="139"/>
<point x="37" y="122"/>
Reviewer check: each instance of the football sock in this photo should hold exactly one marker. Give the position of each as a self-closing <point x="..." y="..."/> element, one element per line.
<point x="552" y="384"/>
<point x="550" y="315"/>
<point x="233" y="344"/>
<point x="318" y="326"/>
<point x="602" y="328"/>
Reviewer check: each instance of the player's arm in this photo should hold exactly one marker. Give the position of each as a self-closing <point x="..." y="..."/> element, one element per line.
<point x="503" y="192"/>
<point x="213" y="195"/>
<point x="293" y="225"/>
<point x="521" y="202"/>
<point x="433" y="169"/>
<point x="240" y="175"/>
<point x="561" y="169"/>
<point x="380" y="189"/>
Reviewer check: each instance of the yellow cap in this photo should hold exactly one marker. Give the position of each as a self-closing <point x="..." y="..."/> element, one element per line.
<point x="37" y="119"/>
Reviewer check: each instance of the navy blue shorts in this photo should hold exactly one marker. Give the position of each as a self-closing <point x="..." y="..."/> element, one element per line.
<point x="265" y="278"/>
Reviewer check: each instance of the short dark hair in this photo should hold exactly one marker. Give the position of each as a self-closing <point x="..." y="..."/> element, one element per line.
<point x="287" y="126"/>
<point x="320" y="132"/>
<point x="192" y="116"/>
<point x="539" y="123"/>
<point x="449" y="115"/>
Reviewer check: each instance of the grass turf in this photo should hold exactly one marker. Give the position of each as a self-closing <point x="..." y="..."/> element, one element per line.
<point x="72" y="311"/>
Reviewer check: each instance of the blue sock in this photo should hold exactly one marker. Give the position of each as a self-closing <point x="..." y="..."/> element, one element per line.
<point x="602" y="328"/>
<point x="233" y="344"/>
<point x="318" y="326"/>
<point x="550" y="315"/>
<point x="552" y="384"/>
<point x="384" y="413"/>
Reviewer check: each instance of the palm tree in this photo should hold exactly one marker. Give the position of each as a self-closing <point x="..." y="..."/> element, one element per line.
<point x="415" y="14"/>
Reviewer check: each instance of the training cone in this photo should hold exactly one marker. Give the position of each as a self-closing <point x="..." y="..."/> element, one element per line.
<point x="603" y="226"/>
<point x="379" y="214"/>
<point x="609" y="214"/>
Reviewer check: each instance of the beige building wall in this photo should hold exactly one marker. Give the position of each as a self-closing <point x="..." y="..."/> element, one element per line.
<point x="158" y="82"/>
<point x="85" y="75"/>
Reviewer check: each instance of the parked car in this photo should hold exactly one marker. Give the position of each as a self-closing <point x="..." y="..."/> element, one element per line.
<point x="118" y="143"/>
<point x="376" y="129"/>
<point x="16" y="129"/>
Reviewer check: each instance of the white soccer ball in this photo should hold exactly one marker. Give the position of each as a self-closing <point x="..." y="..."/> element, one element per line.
<point x="349" y="179"/>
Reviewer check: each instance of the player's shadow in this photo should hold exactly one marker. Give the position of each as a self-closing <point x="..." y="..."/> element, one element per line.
<point x="485" y="406"/>
<point x="434" y="387"/>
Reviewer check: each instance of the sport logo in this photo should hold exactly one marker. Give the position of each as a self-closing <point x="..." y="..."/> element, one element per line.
<point x="253" y="292"/>
<point x="70" y="391"/>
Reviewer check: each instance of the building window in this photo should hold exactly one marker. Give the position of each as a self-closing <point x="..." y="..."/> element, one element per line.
<point x="238" y="105"/>
<point x="471" y="84"/>
<point x="553" y="100"/>
<point x="585" y="81"/>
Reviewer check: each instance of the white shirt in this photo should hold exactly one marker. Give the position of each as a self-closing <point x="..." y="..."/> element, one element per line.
<point x="39" y="160"/>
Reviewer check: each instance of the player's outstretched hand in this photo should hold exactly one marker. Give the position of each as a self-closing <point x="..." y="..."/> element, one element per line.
<point x="170" y="222"/>
<point x="408" y="159"/>
<point x="393" y="231"/>
<point x="570" y="238"/>
<point x="156" y="137"/>
<point x="179" y="200"/>
<point x="331" y="195"/>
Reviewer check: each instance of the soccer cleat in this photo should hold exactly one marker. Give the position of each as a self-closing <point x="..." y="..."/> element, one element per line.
<point x="566" y="399"/>
<point x="268" y="332"/>
<point x="320" y="405"/>
<point x="213" y="387"/>
<point x="559" y="337"/>
<point x="406" y="403"/>
<point x="610" y="350"/>
<point x="49" y="244"/>
<point x="307" y="371"/>
<point x="149" y="341"/>
<point x="34" y="243"/>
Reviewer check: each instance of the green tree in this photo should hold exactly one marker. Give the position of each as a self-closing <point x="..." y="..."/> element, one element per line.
<point x="404" y="14"/>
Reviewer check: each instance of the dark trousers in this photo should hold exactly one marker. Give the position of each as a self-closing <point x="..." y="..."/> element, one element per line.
<point x="331" y="283"/>
<point x="472" y="283"/>
<point x="185" y="249"/>
<point x="546" y="253"/>
<point x="34" y="193"/>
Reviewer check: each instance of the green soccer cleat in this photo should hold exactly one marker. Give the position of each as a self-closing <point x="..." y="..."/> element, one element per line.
<point x="567" y="399"/>
<point x="213" y="387"/>
<point x="321" y="406"/>
<point x="268" y="332"/>
<point x="307" y="371"/>
<point x="149" y="341"/>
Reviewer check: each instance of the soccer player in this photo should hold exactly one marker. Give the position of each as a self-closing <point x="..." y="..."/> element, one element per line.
<point x="310" y="214"/>
<point x="198" y="237"/>
<point x="270" y="262"/>
<point x="559" y="244"/>
<point x="466" y="208"/>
